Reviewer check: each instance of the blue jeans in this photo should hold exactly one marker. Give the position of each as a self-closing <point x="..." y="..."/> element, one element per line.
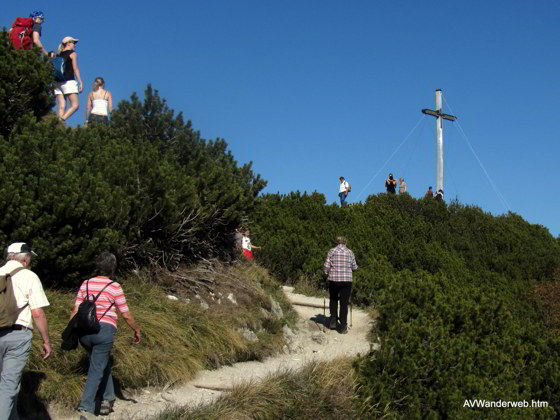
<point x="15" y="347"/>
<point x="99" y="347"/>
<point x="342" y="199"/>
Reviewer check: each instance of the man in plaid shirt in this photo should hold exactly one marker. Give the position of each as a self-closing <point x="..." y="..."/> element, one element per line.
<point x="339" y="265"/>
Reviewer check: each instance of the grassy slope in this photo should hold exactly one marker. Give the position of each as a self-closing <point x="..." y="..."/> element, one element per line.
<point x="179" y="337"/>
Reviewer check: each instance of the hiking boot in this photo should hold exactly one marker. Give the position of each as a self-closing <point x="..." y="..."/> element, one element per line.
<point x="344" y="329"/>
<point x="332" y="323"/>
<point x="106" y="407"/>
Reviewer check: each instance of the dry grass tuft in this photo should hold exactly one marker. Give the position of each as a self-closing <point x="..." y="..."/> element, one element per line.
<point x="321" y="390"/>
<point x="308" y="286"/>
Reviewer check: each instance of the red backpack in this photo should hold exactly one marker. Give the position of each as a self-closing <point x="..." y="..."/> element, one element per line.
<point x="22" y="31"/>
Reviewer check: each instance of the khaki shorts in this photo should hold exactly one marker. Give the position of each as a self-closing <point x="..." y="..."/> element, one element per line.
<point x="66" y="88"/>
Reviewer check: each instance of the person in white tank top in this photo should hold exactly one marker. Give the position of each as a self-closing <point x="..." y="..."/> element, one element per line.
<point x="100" y="103"/>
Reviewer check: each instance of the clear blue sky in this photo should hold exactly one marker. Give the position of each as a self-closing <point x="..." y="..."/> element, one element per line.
<point x="310" y="90"/>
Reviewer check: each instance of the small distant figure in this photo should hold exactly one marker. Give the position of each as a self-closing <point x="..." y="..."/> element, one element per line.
<point x="338" y="266"/>
<point x="403" y="187"/>
<point x="100" y="103"/>
<point x="429" y="193"/>
<point x="71" y="85"/>
<point x="391" y="184"/>
<point x="343" y="191"/>
<point x="439" y="195"/>
<point x="247" y="246"/>
<point x="26" y="32"/>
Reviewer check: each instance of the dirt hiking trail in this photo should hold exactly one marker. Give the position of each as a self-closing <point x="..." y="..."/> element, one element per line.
<point x="309" y="341"/>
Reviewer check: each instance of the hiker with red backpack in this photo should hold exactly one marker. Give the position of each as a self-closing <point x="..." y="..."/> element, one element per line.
<point x="68" y="79"/>
<point x="26" y="32"/>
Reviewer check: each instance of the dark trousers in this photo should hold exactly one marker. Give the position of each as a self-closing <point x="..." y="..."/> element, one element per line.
<point x="99" y="118"/>
<point x="340" y="291"/>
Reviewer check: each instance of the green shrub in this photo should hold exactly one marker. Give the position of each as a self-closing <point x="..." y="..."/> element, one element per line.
<point x="444" y="342"/>
<point x="72" y="193"/>
<point x="453" y="289"/>
<point x="26" y="87"/>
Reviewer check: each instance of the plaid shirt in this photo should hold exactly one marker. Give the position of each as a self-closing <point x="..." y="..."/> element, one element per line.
<point x="340" y="263"/>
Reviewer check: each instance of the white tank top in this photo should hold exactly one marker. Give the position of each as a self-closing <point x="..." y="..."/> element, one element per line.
<point x="100" y="107"/>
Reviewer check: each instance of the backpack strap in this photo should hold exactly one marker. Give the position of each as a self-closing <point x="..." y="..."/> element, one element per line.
<point x="101" y="291"/>
<point x="105" y="313"/>
<point x="112" y="303"/>
<point x="13" y="273"/>
<point x="97" y="297"/>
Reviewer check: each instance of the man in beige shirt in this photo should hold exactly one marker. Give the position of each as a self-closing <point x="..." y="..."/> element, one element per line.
<point x="15" y="341"/>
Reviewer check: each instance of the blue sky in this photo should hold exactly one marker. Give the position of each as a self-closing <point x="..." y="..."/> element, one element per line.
<point x="311" y="90"/>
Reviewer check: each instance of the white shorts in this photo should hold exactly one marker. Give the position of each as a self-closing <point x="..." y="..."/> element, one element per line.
<point x="66" y="88"/>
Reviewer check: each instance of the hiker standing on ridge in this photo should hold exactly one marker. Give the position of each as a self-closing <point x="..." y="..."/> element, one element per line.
<point x="338" y="266"/>
<point x="343" y="191"/>
<point x="429" y="193"/>
<point x="403" y="187"/>
<point x="15" y="337"/>
<point x="110" y="295"/>
<point x="26" y="32"/>
<point x="72" y="83"/>
<point x="100" y="103"/>
<point x="391" y="185"/>
<point x="38" y="18"/>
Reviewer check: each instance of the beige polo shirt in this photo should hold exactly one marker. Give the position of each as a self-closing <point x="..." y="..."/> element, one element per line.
<point x="27" y="290"/>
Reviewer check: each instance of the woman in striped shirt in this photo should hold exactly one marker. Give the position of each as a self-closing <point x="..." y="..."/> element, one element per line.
<point x="99" y="345"/>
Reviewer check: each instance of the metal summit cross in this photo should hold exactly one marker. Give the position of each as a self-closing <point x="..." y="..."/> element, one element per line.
<point x="439" y="136"/>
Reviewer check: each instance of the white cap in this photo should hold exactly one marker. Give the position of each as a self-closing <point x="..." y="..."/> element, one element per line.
<point x="19" y="247"/>
<point x="68" y="39"/>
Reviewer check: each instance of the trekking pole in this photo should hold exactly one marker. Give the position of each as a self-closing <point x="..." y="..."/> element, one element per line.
<point x="350" y="309"/>
<point x="324" y="312"/>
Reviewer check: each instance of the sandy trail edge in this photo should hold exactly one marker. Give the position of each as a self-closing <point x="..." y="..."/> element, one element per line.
<point x="311" y="342"/>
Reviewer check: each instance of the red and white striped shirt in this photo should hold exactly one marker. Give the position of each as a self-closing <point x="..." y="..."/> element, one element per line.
<point x="112" y="294"/>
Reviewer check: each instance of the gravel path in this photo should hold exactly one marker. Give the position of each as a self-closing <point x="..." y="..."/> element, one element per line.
<point x="310" y="341"/>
